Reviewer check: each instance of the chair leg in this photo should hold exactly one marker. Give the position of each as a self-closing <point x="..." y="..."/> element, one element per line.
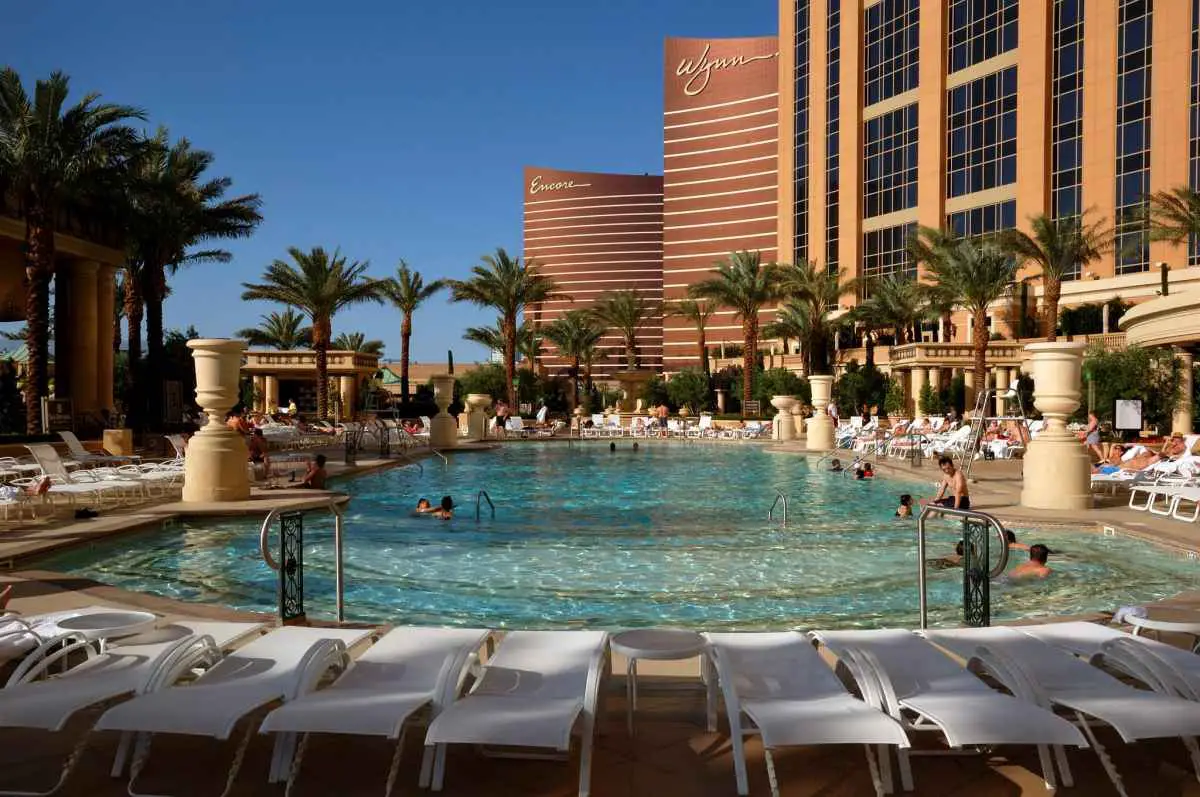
<point x="1064" y="768"/>
<point x="1102" y="754"/>
<point x="585" y="759"/>
<point x="426" y="767"/>
<point x="1047" y="766"/>
<point x="294" y="770"/>
<point x="771" y="779"/>
<point x="118" y="767"/>
<point x="906" y="776"/>
<point x="737" y="740"/>
<point x="883" y="755"/>
<point x="394" y="769"/>
<point x="439" y="766"/>
<point x="1194" y="753"/>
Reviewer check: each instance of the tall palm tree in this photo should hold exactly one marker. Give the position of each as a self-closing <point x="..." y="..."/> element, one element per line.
<point x="789" y="324"/>
<point x="895" y="303"/>
<point x="491" y="338"/>
<point x="407" y="291"/>
<point x="356" y="342"/>
<point x="133" y="308"/>
<point x="575" y="334"/>
<point x="744" y="284"/>
<point x="175" y="207"/>
<point x="507" y="285"/>
<point x="1175" y="215"/>
<point x="49" y="153"/>
<point x="529" y="340"/>
<point x="698" y="312"/>
<point x="1058" y="246"/>
<point x="282" y="331"/>
<point x="625" y="311"/>
<point x="812" y="292"/>
<point x="319" y="285"/>
<point x="971" y="273"/>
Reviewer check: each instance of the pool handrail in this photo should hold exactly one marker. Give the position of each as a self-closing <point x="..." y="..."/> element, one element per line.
<point x="338" y="527"/>
<point x="965" y="514"/>
<point x="483" y="494"/>
<point x="445" y="461"/>
<point x="771" y="512"/>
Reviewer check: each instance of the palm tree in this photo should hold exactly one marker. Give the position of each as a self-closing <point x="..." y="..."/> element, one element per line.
<point x="491" y="338"/>
<point x="698" y="312"/>
<point x="356" y="342"/>
<point x="624" y="311"/>
<point x="896" y="303"/>
<point x="174" y="208"/>
<point x="1175" y="215"/>
<point x="970" y="273"/>
<point x="789" y="323"/>
<point x="575" y="334"/>
<point x="812" y="292"/>
<point x="48" y="154"/>
<point x="284" y="331"/>
<point x="744" y="284"/>
<point x="507" y="285"/>
<point x="1058" y="246"/>
<point x="319" y="285"/>
<point x="407" y="291"/>
<point x="529" y="340"/>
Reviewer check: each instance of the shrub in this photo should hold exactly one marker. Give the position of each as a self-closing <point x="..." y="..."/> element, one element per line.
<point x="894" y="398"/>
<point x="930" y="401"/>
<point x="689" y="388"/>
<point x="781" y="382"/>
<point x="857" y="386"/>
<point x="1152" y="375"/>
<point x="655" y="392"/>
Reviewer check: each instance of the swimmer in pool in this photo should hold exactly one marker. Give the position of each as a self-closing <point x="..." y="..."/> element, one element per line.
<point x="836" y="466"/>
<point x="446" y="510"/>
<point x="948" y="561"/>
<point x="424" y="507"/>
<point x="905" y="508"/>
<point x="1013" y="545"/>
<point x="1035" y="567"/>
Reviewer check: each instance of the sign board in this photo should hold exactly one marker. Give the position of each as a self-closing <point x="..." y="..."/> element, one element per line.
<point x="58" y="415"/>
<point x="1128" y="415"/>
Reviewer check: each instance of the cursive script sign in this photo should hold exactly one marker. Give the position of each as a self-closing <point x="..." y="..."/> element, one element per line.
<point x="699" y="71"/>
<point x="536" y="186"/>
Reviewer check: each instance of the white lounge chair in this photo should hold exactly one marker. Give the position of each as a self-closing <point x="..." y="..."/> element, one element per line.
<point x="538" y="688"/>
<point x="143" y="664"/>
<point x="282" y="665"/>
<point x="87" y="458"/>
<point x="925" y="691"/>
<point x="781" y="685"/>
<point x="1049" y="676"/>
<point x="404" y="671"/>
<point x="21" y="634"/>
<point x="95" y="483"/>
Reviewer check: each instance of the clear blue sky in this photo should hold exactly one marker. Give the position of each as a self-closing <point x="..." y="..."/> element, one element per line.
<point x="393" y="128"/>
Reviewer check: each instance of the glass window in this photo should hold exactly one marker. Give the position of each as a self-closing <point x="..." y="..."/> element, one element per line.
<point x="1194" y="133"/>
<point x="1134" y="31"/>
<point x="801" y="139"/>
<point x="885" y="253"/>
<point x="833" y="70"/>
<point x="1066" y="128"/>
<point x="981" y="139"/>
<point x="980" y="29"/>
<point x="891" y="36"/>
<point x="985" y="219"/>
<point x="890" y="162"/>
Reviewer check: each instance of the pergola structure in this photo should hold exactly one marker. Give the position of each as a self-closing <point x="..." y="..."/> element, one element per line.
<point x="281" y="377"/>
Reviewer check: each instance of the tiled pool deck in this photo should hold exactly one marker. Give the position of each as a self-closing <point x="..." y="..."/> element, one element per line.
<point x="672" y="753"/>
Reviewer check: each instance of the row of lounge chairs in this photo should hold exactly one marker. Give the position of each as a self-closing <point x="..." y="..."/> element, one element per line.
<point x="539" y="689"/>
<point x="677" y="428"/>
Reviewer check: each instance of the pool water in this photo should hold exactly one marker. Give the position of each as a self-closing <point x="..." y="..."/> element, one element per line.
<point x="672" y="534"/>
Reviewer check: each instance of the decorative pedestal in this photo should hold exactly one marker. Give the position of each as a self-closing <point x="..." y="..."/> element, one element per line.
<point x="783" y="427"/>
<point x="215" y="468"/>
<point x="798" y="418"/>
<point x="443" y="431"/>
<point x="631" y="383"/>
<point x="820" y="425"/>
<point x="1057" y="467"/>
<point x="477" y="416"/>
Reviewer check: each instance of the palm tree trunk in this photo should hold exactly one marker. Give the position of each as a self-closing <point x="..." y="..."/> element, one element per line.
<point x="574" y="384"/>
<point x="980" y="335"/>
<point x="320" y="334"/>
<point x="510" y="359"/>
<point x="631" y="358"/>
<point x="1053" y="291"/>
<point x="39" y="266"/>
<point x="133" y="317"/>
<point x="153" y="293"/>
<point x="749" y="358"/>
<point x="405" y="339"/>
<point x="703" y="350"/>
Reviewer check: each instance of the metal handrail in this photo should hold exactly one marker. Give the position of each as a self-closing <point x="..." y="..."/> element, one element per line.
<point x="771" y="512"/>
<point x="445" y="462"/>
<point x="484" y="496"/>
<point x="338" y="525"/>
<point x="965" y="514"/>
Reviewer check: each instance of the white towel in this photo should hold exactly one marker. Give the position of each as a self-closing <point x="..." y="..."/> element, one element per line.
<point x="1120" y="615"/>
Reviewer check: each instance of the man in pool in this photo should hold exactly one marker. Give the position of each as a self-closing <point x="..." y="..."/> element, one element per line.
<point x="1013" y="545"/>
<point x="314" y="477"/>
<point x="1035" y="567"/>
<point x="836" y="466"/>
<point x="424" y="507"/>
<point x="949" y="560"/>
<point x="905" y="508"/>
<point x="446" y="510"/>
<point x="954" y="482"/>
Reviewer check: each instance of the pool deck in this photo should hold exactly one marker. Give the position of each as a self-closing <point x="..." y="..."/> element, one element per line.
<point x="672" y="753"/>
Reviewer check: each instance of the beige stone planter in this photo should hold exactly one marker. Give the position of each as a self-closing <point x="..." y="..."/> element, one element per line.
<point x="820" y="425"/>
<point x="1057" y="472"/>
<point x="215" y="467"/>
<point x="784" y="428"/>
<point x="443" y="431"/>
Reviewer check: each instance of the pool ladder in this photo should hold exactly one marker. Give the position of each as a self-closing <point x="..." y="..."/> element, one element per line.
<point x="964" y="514"/>
<point x="779" y="496"/>
<point x="483" y="496"/>
<point x="338" y="528"/>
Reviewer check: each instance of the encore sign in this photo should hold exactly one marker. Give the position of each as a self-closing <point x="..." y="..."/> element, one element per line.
<point x="536" y="186"/>
<point x="699" y="71"/>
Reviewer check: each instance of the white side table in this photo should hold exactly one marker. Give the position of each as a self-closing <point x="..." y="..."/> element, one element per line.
<point x="658" y="644"/>
<point x="105" y="625"/>
<point x="1191" y="628"/>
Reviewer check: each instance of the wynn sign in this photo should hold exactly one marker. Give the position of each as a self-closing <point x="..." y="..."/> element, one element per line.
<point x="699" y="71"/>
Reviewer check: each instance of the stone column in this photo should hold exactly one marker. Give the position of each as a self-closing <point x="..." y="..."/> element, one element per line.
<point x="968" y="390"/>
<point x="270" y="392"/>
<point x="820" y="426"/>
<point x="917" y="380"/>
<point x="935" y="377"/>
<point x="346" y="389"/>
<point x="106" y="298"/>
<point x="260" y="392"/>
<point x="215" y="468"/>
<point x="1057" y="467"/>
<point x="1181" y="420"/>
<point x="1000" y="376"/>
<point x="82" y="324"/>
<point x="784" y="427"/>
<point x="444" y="432"/>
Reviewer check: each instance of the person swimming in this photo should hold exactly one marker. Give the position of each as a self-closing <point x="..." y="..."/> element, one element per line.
<point x="906" y="506"/>
<point x="612" y="446"/>
<point x="1013" y="545"/>
<point x="835" y="466"/>
<point x="948" y="561"/>
<point x="424" y="507"/>
<point x="864" y="472"/>
<point x="446" y="509"/>
<point x="1035" y="567"/>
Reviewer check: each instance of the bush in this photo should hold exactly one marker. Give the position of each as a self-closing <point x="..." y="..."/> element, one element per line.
<point x="689" y="388"/>
<point x="1152" y="375"/>
<point x="930" y="401"/>
<point x="955" y="396"/>
<point x="655" y="392"/>
<point x="857" y="386"/>
<point x="781" y="382"/>
<point x="894" y="399"/>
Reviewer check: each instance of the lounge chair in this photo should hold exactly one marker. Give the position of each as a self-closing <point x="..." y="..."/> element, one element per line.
<point x="148" y="662"/>
<point x="1052" y="677"/>
<point x="792" y="698"/>
<point x="538" y="688"/>
<point x="21" y="634"/>
<point x="97" y="483"/>
<point x="282" y="665"/>
<point x="403" y="672"/>
<point x="926" y="691"/>
<point x="87" y="458"/>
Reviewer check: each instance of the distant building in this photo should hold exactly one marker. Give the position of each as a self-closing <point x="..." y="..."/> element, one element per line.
<point x="418" y="374"/>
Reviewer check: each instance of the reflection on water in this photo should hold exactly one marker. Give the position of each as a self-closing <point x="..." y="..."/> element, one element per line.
<point x="673" y="534"/>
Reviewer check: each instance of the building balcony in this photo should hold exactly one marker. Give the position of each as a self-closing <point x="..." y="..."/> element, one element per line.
<point x="305" y="361"/>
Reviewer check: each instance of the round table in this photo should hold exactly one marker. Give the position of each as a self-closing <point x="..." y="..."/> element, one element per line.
<point x="653" y="644"/>
<point x="104" y="625"/>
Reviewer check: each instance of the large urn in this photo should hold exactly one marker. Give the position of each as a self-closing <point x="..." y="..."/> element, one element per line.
<point x="215" y="468"/>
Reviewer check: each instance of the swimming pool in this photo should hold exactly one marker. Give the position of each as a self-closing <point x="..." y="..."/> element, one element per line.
<point x="673" y="534"/>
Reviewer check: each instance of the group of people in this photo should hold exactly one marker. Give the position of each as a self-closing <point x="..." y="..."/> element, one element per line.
<point x="444" y="509"/>
<point x="1035" y="568"/>
<point x="259" y="452"/>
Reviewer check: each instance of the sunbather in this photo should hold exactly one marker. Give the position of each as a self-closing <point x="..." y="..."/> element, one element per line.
<point x="1035" y="567"/>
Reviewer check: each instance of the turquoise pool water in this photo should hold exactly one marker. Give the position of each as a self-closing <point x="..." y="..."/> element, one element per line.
<point x="673" y="534"/>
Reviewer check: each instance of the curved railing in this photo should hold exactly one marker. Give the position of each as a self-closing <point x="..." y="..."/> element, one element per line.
<point x="964" y="514"/>
<point x="779" y="496"/>
<point x="339" y="582"/>
<point x="483" y="496"/>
